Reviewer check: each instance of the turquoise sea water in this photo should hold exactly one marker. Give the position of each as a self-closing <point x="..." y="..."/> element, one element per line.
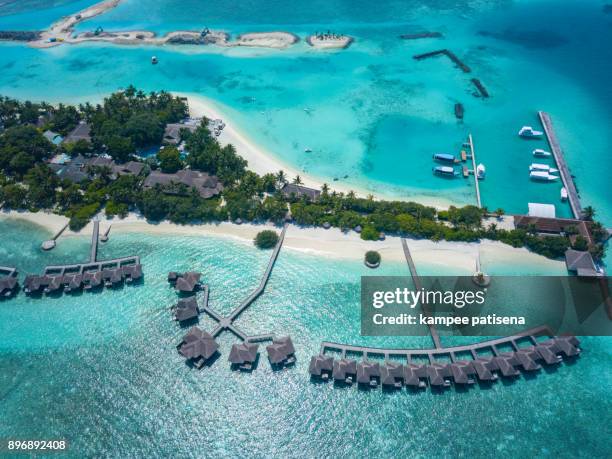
<point x="101" y="369"/>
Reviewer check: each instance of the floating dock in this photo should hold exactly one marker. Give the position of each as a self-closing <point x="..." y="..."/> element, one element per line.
<point x="418" y="286"/>
<point x="566" y="176"/>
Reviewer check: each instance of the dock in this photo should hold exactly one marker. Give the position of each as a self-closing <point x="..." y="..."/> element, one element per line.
<point x="566" y="176"/>
<point x="93" y="253"/>
<point x="470" y="143"/>
<point x="50" y="244"/>
<point x="446" y="52"/>
<point x="418" y="286"/>
<point x="480" y="87"/>
<point x="417" y="36"/>
<point x="104" y="237"/>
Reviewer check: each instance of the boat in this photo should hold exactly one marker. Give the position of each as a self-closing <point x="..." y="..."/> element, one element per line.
<point x="563" y="194"/>
<point x="542" y="167"/>
<point x="542" y="176"/>
<point x="445" y="171"/>
<point x="154" y="60"/>
<point x="539" y="153"/>
<point x="444" y="157"/>
<point x="530" y="133"/>
<point x="481" y="171"/>
<point x="459" y="111"/>
<point x="307" y="150"/>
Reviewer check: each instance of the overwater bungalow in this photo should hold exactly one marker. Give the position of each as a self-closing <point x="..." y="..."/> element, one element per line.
<point x="506" y="363"/>
<point x="33" y="284"/>
<point x="368" y="373"/>
<point x="186" y="309"/>
<point x="281" y="352"/>
<point x="392" y="375"/>
<point x="92" y="279"/>
<point x="462" y="372"/>
<point x="72" y="282"/>
<point x="546" y="354"/>
<point x="8" y="285"/>
<point x="198" y="347"/>
<point x="564" y="345"/>
<point x="415" y="375"/>
<point x="438" y="375"/>
<point x="243" y="356"/>
<point x="484" y="369"/>
<point x="132" y="273"/>
<point x="112" y="276"/>
<point x="54" y="284"/>
<point x="344" y="371"/>
<point x="527" y="359"/>
<point x="321" y="367"/>
<point x="187" y="282"/>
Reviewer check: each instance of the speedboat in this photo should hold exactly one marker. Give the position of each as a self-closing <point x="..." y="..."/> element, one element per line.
<point x="563" y="194"/>
<point x="539" y="153"/>
<point x="481" y="171"/>
<point x="444" y="157"/>
<point x="530" y="133"/>
<point x="542" y="176"/>
<point x="542" y="167"/>
<point x="445" y="171"/>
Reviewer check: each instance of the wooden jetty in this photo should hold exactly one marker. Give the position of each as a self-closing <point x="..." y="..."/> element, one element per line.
<point x="480" y="87"/>
<point x="474" y="173"/>
<point x="93" y="253"/>
<point x="417" y="36"/>
<point x="446" y="52"/>
<point x="566" y="176"/>
<point x="50" y="244"/>
<point x="418" y="286"/>
<point x="104" y="237"/>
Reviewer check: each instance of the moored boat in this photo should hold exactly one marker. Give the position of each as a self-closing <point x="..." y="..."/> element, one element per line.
<point x="542" y="176"/>
<point x="542" y="167"/>
<point x="481" y="171"/>
<point x="539" y="153"/>
<point x="444" y="158"/>
<point x="154" y="60"/>
<point x="445" y="171"/>
<point x="530" y="133"/>
<point x="563" y="194"/>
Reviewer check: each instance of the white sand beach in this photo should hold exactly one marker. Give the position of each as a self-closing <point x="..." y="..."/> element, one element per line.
<point x="323" y="42"/>
<point x="332" y="243"/>
<point x="276" y="40"/>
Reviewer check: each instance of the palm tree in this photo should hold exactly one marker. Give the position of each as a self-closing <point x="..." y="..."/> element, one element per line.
<point x="281" y="179"/>
<point x="588" y="212"/>
<point x="297" y="180"/>
<point x="325" y="188"/>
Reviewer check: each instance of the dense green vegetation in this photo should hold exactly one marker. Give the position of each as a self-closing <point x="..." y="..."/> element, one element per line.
<point x="131" y="119"/>
<point x="372" y="258"/>
<point x="266" y="239"/>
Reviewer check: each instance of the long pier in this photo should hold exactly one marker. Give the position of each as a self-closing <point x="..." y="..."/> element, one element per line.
<point x="431" y="354"/>
<point x="93" y="253"/>
<point x="566" y="176"/>
<point x="448" y="53"/>
<point x="227" y="323"/>
<point x="473" y="155"/>
<point x="418" y="286"/>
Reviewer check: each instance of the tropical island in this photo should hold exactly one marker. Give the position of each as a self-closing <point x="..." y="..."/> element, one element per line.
<point x="78" y="161"/>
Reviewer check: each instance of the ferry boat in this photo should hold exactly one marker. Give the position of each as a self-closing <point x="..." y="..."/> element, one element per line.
<point x="539" y="153"/>
<point x="154" y="60"/>
<point x="563" y="194"/>
<point x="530" y="133"/>
<point x="481" y="171"/>
<point x="444" y="158"/>
<point x="445" y="171"/>
<point x="542" y="176"/>
<point x="542" y="167"/>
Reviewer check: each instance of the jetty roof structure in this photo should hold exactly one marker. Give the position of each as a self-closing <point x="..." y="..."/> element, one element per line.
<point x="581" y="263"/>
<point x="281" y="351"/>
<point x="198" y="346"/>
<point x="206" y="185"/>
<point x="243" y="354"/>
<point x="291" y="189"/>
<point x="186" y="309"/>
<point x="81" y="132"/>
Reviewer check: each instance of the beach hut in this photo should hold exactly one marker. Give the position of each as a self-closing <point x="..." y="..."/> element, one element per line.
<point x="281" y="352"/>
<point x="321" y="367"/>
<point x="243" y="356"/>
<point x="186" y="309"/>
<point x="198" y="347"/>
<point x="344" y="371"/>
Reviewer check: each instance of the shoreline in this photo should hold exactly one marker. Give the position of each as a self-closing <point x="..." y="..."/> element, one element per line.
<point x="331" y="244"/>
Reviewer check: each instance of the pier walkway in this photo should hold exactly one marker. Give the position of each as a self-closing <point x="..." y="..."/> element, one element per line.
<point x="93" y="253"/>
<point x="418" y="286"/>
<point x="566" y="176"/>
<point x="50" y="244"/>
<point x="474" y="173"/>
<point x="227" y="323"/>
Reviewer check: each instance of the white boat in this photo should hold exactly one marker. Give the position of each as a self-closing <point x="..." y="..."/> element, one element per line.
<point x="563" y="194"/>
<point x="154" y="60"/>
<point x="542" y="176"/>
<point x="539" y="153"/>
<point x="445" y="171"/>
<point x="542" y="167"/>
<point x="530" y="133"/>
<point x="481" y="171"/>
<point x="307" y="150"/>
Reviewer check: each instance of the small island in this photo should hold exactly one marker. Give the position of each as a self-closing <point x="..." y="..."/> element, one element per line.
<point x="329" y="40"/>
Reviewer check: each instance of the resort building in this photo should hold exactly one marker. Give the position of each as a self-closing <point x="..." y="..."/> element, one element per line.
<point x="188" y="282"/>
<point x="53" y="137"/>
<point x="368" y="373"/>
<point x="344" y="371"/>
<point x="551" y="226"/>
<point x="81" y="132"/>
<point x="392" y="375"/>
<point x="321" y="367"/>
<point x="80" y="168"/>
<point x="8" y="282"/>
<point x="198" y="347"/>
<point x="281" y="352"/>
<point x="186" y="309"/>
<point x="244" y="355"/>
<point x="206" y="185"/>
<point x="297" y="191"/>
<point x="172" y="133"/>
<point x="581" y="263"/>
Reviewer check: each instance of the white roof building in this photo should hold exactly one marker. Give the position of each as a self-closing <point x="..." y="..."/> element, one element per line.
<point x="541" y="210"/>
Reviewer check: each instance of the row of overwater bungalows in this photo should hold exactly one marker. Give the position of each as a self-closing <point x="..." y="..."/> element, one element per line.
<point x="394" y="375"/>
<point x="88" y="280"/>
